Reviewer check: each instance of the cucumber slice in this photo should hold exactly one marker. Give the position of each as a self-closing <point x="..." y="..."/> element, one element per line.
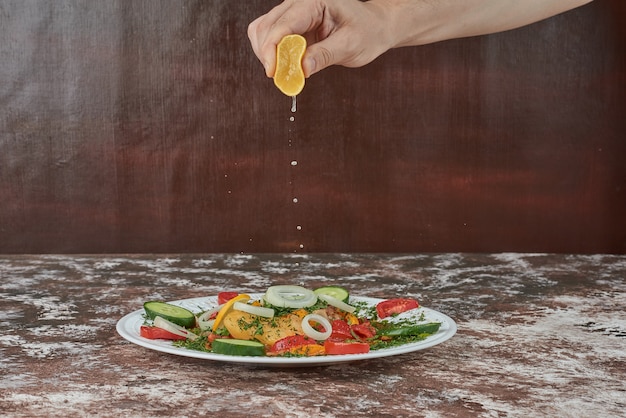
<point x="337" y="292"/>
<point x="234" y="347"/>
<point x="176" y="314"/>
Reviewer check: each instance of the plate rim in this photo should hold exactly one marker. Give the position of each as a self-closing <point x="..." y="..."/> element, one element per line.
<point x="128" y="328"/>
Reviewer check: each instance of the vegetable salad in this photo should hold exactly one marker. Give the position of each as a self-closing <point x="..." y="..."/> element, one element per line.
<point x="288" y="321"/>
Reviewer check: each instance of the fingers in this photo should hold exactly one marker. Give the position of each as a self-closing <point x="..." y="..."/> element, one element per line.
<point x="345" y="32"/>
<point x="259" y="31"/>
<point x="326" y="53"/>
<point x="289" y="17"/>
<point x="255" y="42"/>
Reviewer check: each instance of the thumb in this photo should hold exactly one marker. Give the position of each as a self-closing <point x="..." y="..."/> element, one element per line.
<point x="334" y="50"/>
<point x="317" y="57"/>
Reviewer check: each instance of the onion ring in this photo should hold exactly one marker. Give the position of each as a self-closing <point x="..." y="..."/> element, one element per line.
<point x="288" y="296"/>
<point x="163" y="323"/>
<point x="204" y="323"/>
<point x="311" y="332"/>
<point x="254" y="310"/>
<point x="337" y="303"/>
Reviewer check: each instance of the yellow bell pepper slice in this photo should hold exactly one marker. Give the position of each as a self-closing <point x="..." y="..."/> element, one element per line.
<point x="228" y="306"/>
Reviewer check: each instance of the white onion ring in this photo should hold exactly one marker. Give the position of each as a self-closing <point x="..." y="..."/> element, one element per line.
<point x="311" y="332"/>
<point x="176" y="329"/>
<point x="204" y="323"/>
<point x="254" y="310"/>
<point x="289" y="296"/>
<point x="337" y="303"/>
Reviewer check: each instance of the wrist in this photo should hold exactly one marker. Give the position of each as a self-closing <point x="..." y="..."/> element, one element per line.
<point x="408" y="22"/>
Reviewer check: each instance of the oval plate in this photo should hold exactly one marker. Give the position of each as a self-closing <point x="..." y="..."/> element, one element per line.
<point x="128" y="327"/>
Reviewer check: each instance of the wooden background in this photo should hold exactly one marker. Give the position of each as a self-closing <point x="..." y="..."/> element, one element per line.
<point x="149" y="126"/>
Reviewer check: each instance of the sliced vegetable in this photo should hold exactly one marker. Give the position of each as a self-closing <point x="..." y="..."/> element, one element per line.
<point x="395" y="306"/>
<point x="244" y="326"/>
<point x="297" y="345"/>
<point x="207" y="318"/>
<point x="233" y="347"/>
<point x="336" y="292"/>
<point x="223" y="297"/>
<point x="154" y="333"/>
<point x="351" y="319"/>
<point x="364" y="330"/>
<point x="227" y="307"/>
<point x="429" y="328"/>
<point x="163" y="323"/>
<point x="333" y="301"/>
<point x="339" y="347"/>
<point x="172" y="313"/>
<point x="311" y="332"/>
<point x="288" y="296"/>
<point x="308" y="350"/>
<point x="341" y="331"/>
<point x="254" y="310"/>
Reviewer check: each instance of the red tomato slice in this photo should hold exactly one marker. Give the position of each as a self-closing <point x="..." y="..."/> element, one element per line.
<point x="341" y="331"/>
<point x="223" y="297"/>
<point x="364" y="330"/>
<point x="339" y="347"/>
<point x="287" y="343"/>
<point x="395" y="306"/>
<point x="154" y="333"/>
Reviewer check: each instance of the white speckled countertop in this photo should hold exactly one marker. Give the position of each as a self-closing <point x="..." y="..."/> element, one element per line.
<point x="538" y="335"/>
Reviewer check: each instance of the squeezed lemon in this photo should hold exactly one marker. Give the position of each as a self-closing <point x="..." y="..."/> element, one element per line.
<point x="289" y="75"/>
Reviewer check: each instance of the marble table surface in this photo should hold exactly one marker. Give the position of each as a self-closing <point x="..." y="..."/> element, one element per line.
<point x="538" y="335"/>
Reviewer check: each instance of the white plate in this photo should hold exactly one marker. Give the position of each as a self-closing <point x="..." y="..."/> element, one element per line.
<point x="128" y="327"/>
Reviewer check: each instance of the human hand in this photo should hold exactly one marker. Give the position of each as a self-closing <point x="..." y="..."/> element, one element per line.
<point x="354" y="33"/>
<point x="338" y="32"/>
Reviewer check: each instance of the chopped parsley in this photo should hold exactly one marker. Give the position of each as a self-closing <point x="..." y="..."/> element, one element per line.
<point x="199" y="344"/>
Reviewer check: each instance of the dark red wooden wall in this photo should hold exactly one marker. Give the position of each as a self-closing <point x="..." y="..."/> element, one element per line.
<point x="149" y="126"/>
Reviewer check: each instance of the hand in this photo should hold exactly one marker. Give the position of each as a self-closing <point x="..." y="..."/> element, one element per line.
<point x="354" y="33"/>
<point x="338" y="32"/>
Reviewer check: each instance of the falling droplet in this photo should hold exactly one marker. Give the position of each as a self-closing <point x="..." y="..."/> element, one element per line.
<point x="295" y="200"/>
<point x="299" y="227"/>
<point x="291" y="119"/>
<point x="294" y="163"/>
<point x="293" y="104"/>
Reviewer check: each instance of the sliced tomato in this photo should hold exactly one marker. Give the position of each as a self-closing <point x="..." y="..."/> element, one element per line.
<point x="363" y="330"/>
<point x="154" y="333"/>
<point x="340" y="347"/>
<point x="223" y="297"/>
<point x="341" y="331"/>
<point x="290" y="343"/>
<point x="213" y="336"/>
<point x="395" y="306"/>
